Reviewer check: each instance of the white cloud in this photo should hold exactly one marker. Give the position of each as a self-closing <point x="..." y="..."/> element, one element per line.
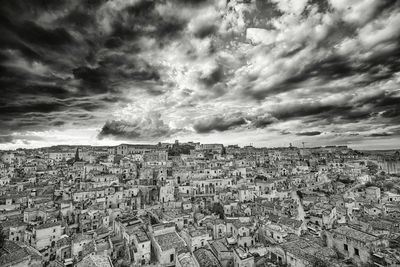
<point x="291" y="6"/>
<point x="356" y="11"/>
<point x="258" y="36"/>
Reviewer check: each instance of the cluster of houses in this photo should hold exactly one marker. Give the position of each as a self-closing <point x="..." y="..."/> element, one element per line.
<point x="192" y="204"/>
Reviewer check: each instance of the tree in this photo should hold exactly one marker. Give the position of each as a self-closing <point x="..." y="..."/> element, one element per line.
<point x="300" y="194"/>
<point x="179" y="149"/>
<point x="2" y="238"/>
<point x="217" y="208"/>
<point x="388" y="186"/>
<point x="372" y="168"/>
<point x="153" y="220"/>
<point x="319" y="263"/>
<point x="77" y="154"/>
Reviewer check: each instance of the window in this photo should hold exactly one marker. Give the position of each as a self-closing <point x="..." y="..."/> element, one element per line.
<point x="171" y="257"/>
<point x="356" y="252"/>
<point x="346" y="247"/>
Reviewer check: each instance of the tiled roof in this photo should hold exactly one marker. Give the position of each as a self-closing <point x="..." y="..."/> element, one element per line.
<point x="355" y="234"/>
<point x="186" y="260"/>
<point x="63" y="242"/>
<point x="12" y="223"/>
<point x="15" y="253"/>
<point x="308" y="250"/>
<point x="17" y="256"/>
<point x="206" y="258"/>
<point x="96" y="261"/>
<point x="170" y="240"/>
<point x="219" y="246"/>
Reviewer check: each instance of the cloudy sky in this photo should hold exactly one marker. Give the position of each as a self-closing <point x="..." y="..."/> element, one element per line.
<point x="323" y="72"/>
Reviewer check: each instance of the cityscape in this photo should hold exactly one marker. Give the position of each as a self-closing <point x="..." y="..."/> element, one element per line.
<point x="200" y="133"/>
<point x="193" y="204"/>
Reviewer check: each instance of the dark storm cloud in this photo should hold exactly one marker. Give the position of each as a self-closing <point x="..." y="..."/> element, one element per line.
<point x="117" y="68"/>
<point x="349" y="109"/>
<point x="78" y="18"/>
<point x="312" y="133"/>
<point x="267" y="9"/>
<point x="205" y="31"/>
<point x="386" y="104"/>
<point x="58" y="123"/>
<point x="386" y="100"/>
<point x="41" y="115"/>
<point x="28" y="107"/>
<point x="191" y="2"/>
<point x="384" y="134"/>
<point x="324" y="6"/>
<point x="94" y="79"/>
<point x="335" y="67"/>
<point x="318" y="112"/>
<point x="142" y="8"/>
<point x="64" y="62"/>
<point x="35" y="96"/>
<point x="34" y="34"/>
<point x="113" y="42"/>
<point x="33" y="40"/>
<point x="6" y="139"/>
<point x="18" y="84"/>
<point x="391" y="112"/>
<point x="300" y="110"/>
<point x="119" y="129"/>
<point x="219" y="124"/>
<point x="233" y="121"/>
<point x="332" y="64"/>
<point x="143" y="19"/>
<point x="285" y="132"/>
<point x="62" y="69"/>
<point x="215" y="76"/>
<point x="145" y="128"/>
<point x="262" y="121"/>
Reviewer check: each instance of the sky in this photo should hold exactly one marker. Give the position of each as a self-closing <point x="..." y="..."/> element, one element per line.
<point x="267" y="73"/>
